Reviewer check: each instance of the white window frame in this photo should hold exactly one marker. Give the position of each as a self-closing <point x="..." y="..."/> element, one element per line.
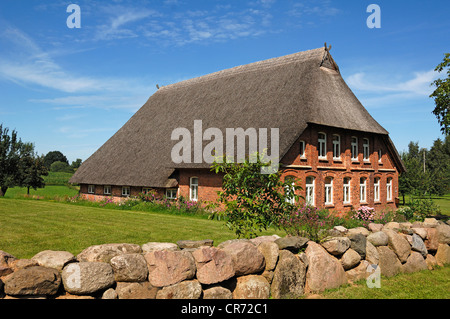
<point x="336" y="147"/>
<point x="289" y="178"/>
<point x="363" y="190"/>
<point x="354" y="149"/>
<point x="322" y="145"/>
<point x="310" y="191"/>
<point x="389" y="189"/>
<point x="329" y="191"/>
<point x="107" y="189"/>
<point x="126" y="191"/>
<point x="91" y="189"/>
<point x="347" y="190"/>
<point x="302" y="145"/>
<point x="193" y="189"/>
<point x="366" y="150"/>
<point x="376" y="189"/>
<point x="170" y="193"/>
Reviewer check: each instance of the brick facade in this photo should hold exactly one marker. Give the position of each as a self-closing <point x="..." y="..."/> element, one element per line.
<point x="308" y="165"/>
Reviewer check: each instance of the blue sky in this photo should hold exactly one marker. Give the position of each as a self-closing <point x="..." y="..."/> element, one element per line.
<point x="72" y="89"/>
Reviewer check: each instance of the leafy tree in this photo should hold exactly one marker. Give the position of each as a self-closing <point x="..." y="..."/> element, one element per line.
<point x="438" y="166"/>
<point x="441" y="96"/>
<point x="10" y="147"/>
<point x="77" y="163"/>
<point x="59" y="166"/>
<point x="31" y="168"/>
<point x="253" y="201"/>
<point x="54" y="156"/>
<point x="414" y="180"/>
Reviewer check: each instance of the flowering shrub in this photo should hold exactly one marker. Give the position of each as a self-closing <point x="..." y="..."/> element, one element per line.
<point x="306" y="221"/>
<point x="366" y="214"/>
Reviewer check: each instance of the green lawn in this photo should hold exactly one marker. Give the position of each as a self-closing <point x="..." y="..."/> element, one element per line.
<point x="424" y="284"/>
<point x="443" y="202"/>
<point x="30" y="226"/>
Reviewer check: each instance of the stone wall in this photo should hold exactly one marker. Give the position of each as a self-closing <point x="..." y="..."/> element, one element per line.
<point x="267" y="266"/>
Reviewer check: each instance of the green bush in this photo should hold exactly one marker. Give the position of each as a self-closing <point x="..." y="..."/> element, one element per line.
<point x="59" y="166"/>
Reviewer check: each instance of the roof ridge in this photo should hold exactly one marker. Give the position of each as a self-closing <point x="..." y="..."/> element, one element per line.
<point x="251" y="67"/>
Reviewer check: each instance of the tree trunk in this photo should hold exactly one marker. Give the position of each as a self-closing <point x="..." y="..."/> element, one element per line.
<point x="3" y="190"/>
<point x="28" y="190"/>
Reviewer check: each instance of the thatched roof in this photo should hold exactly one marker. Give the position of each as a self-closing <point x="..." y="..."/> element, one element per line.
<point x="286" y="93"/>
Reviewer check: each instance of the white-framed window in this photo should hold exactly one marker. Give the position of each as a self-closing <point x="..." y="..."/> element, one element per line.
<point x="107" y="189"/>
<point x="362" y="189"/>
<point x="366" y="149"/>
<point x="302" y="149"/>
<point x="328" y="191"/>
<point x="91" y="189"/>
<point x="389" y="189"/>
<point x="336" y="146"/>
<point x="354" y="148"/>
<point x="171" y="193"/>
<point x="193" y="188"/>
<point x="322" y="141"/>
<point x="126" y="190"/>
<point x="346" y="190"/>
<point x="379" y="156"/>
<point x="291" y="181"/>
<point x="376" y="189"/>
<point x="309" y="190"/>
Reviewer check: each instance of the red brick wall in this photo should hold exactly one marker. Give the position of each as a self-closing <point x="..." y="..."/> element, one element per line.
<point x="208" y="183"/>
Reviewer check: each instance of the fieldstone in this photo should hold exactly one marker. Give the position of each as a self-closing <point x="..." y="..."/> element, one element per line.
<point x="337" y="245"/>
<point x="247" y="259"/>
<point x="5" y="270"/>
<point x="151" y="246"/>
<point x="358" y="243"/>
<point x="53" y="259"/>
<point x="6" y="259"/>
<point x="35" y="280"/>
<point x="136" y="290"/>
<point x="85" y="278"/>
<point x="358" y="230"/>
<point x="443" y="233"/>
<point x="129" y="267"/>
<point x="431" y="262"/>
<point x="289" y="276"/>
<point x="105" y="252"/>
<point x="23" y="263"/>
<point x="422" y="232"/>
<point x="388" y="261"/>
<point x="341" y="229"/>
<point x="251" y="287"/>
<point x="213" y="265"/>
<point x="292" y="243"/>
<point x="432" y="241"/>
<point x="183" y="244"/>
<point x="70" y="296"/>
<point x="270" y="252"/>
<point x="443" y="254"/>
<point x="391" y="225"/>
<point x="398" y="244"/>
<point x="324" y="271"/>
<point x="169" y="267"/>
<point x="262" y="239"/>
<point x="190" y="289"/>
<point x="372" y="254"/>
<point x="415" y="262"/>
<point x="418" y="245"/>
<point x="232" y="241"/>
<point x="217" y="292"/>
<point x="378" y="239"/>
<point x="430" y="223"/>
<point x="359" y="272"/>
<point x="350" y="259"/>
<point x="109" y="294"/>
<point x="374" y="227"/>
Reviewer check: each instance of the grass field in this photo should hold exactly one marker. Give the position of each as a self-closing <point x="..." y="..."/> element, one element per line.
<point x="424" y="284"/>
<point x="30" y="226"/>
